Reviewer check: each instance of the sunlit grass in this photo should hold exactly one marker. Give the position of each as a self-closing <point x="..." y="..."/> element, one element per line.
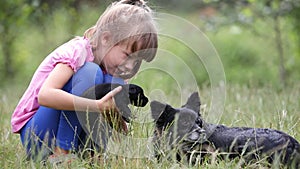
<point x="244" y="106"/>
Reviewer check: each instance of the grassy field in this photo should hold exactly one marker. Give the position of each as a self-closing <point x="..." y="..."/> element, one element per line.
<point x="244" y="106"/>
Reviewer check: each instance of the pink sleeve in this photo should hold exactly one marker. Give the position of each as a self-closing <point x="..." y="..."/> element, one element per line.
<point x="74" y="53"/>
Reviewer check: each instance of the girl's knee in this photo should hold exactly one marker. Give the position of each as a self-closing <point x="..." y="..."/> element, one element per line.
<point x="89" y="66"/>
<point x="90" y="72"/>
<point x="88" y="75"/>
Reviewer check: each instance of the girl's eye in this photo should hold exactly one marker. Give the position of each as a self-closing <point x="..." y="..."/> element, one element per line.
<point x="136" y="62"/>
<point x="126" y="56"/>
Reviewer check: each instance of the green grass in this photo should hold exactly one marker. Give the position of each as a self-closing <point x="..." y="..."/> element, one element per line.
<point x="244" y="106"/>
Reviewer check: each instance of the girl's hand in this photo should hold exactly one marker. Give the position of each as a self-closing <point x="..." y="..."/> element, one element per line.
<point x="110" y="111"/>
<point x="107" y="102"/>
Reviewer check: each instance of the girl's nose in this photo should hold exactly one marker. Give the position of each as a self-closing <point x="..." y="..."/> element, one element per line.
<point x="129" y="68"/>
<point x="129" y="65"/>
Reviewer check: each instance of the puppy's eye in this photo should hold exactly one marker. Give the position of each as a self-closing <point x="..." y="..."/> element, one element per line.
<point x="199" y="122"/>
<point x="132" y="90"/>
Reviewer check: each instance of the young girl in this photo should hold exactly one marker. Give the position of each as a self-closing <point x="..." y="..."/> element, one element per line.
<point x="110" y="51"/>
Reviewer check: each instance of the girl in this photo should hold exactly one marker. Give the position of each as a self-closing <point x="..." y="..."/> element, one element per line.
<point x="110" y="51"/>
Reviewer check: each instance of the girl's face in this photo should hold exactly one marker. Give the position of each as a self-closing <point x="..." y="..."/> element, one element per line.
<point x="119" y="61"/>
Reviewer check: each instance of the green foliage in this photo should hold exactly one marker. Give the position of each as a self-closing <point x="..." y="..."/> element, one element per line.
<point x="248" y="57"/>
<point x="256" y="15"/>
<point x="244" y="58"/>
<point x="13" y="15"/>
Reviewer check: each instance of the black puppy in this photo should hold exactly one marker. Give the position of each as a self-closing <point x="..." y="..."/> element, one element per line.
<point x="249" y="143"/>
<point x="99" y="126"/>
<point x="176" y="128"/>
<point x="130" y="94"/>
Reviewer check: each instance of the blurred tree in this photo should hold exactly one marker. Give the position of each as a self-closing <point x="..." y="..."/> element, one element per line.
<point x="16" y="15"/>
<point x="295" y="18"/>
<point x="13" y="15"/>
<point x="249" y="12"/>
<point x="45" y="8"/>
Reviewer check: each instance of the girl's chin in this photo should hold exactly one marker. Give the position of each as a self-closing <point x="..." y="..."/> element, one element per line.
<point x="124" y="76"/>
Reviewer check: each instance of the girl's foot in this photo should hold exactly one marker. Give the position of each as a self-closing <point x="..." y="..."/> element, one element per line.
<point x="61" y="156"/>
<point x="56" y="160"/>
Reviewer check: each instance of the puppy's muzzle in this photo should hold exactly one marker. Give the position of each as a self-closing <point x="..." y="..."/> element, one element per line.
<point x="197" y="135"/>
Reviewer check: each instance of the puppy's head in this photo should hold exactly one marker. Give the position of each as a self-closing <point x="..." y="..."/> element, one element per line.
<point x="130" y="94"/>
<point x="179" y="124"/>
<point x="136" y="95"/>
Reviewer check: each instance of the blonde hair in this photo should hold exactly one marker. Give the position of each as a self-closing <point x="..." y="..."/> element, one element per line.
<point x="128" y="21"/>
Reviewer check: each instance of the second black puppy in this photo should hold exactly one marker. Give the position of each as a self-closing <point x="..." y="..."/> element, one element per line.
<point x="195" y="136"/>
<point x="177" y="130"/>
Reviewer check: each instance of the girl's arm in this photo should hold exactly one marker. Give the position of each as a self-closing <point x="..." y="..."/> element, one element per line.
<point x="52" y="95"/>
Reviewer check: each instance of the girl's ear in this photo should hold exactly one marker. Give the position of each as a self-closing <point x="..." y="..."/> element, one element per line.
<point x="105" y="38"/>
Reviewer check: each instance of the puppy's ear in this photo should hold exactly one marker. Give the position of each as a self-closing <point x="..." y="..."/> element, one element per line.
<point x="193" y="102"/>
<point x="157" y="109"/>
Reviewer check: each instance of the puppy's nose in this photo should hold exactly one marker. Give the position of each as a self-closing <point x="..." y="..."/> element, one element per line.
<point x="194" y="136"/>
<point x="197" y="135"/>
<point x="144" y="101"/>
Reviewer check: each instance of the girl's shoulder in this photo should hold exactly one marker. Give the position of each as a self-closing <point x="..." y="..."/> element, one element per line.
<point x="75" y="52"/>
<point x="78" y="46"/>
<point x="79" y="42"/>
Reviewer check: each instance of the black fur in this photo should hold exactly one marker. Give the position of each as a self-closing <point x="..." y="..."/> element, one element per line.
<point x="202" y="137"/>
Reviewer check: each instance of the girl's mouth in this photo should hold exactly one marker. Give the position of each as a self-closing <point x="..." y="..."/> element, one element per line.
<point x="123" y="74"/>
